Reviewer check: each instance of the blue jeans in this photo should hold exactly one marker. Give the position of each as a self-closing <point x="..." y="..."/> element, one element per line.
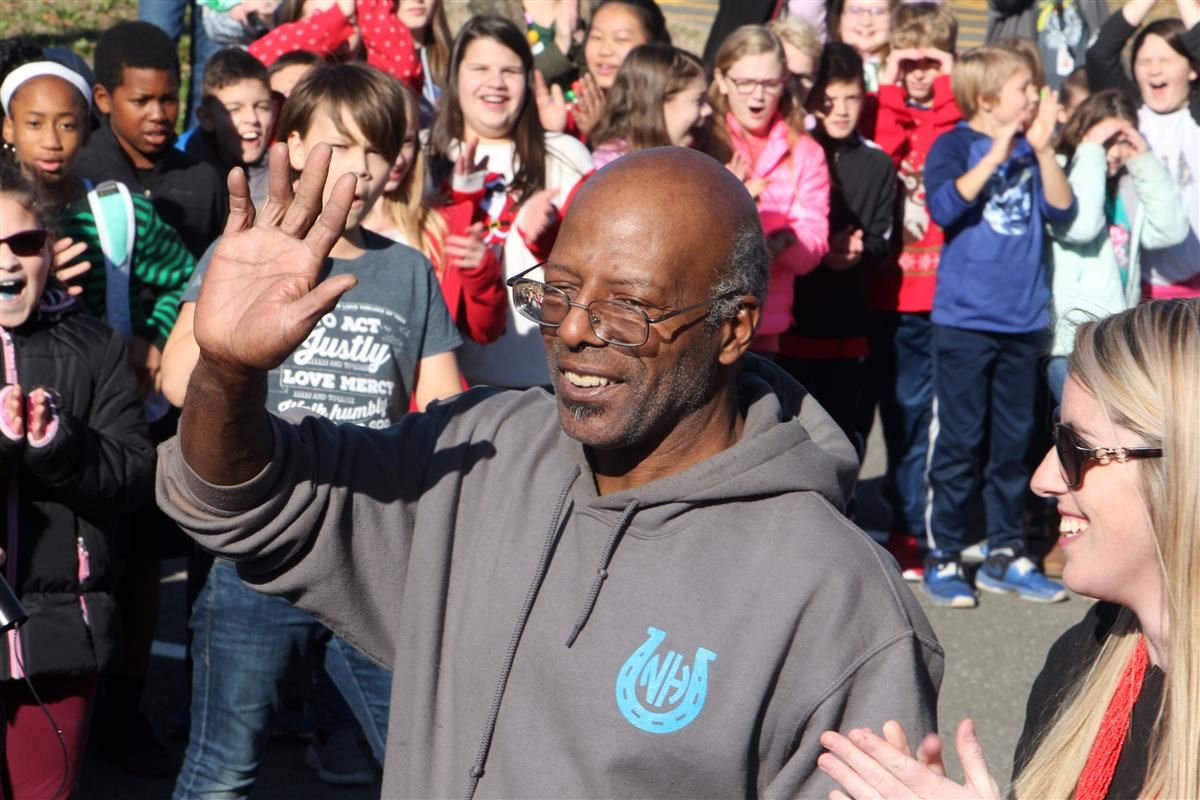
<point x="901" y="373"/>
<point x="168" y="15"/>
<point x="242" y="642"/>
<point x="985" y="391"/>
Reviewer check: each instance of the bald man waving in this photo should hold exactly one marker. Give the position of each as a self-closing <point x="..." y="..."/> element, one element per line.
<point x="641" y="585"/>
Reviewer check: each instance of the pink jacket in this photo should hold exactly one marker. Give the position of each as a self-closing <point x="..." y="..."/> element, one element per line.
<point x="795" y="197"/>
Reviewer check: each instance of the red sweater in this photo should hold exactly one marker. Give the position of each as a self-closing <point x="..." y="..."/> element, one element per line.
<point x="906" y="133"/>
<point x="477" y="298"/>
<point x="388" y="41"/>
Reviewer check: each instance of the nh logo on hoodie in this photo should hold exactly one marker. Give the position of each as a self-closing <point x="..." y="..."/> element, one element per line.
<point x="662" y="694"/>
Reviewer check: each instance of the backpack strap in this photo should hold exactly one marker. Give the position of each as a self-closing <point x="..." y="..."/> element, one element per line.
<point x="112" y="208"/>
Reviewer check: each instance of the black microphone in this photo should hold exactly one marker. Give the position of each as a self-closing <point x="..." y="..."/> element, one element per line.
<point x="12" y="613"/>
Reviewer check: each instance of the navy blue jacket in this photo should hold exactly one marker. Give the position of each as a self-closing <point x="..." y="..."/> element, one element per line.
<point x="990" y="276"/>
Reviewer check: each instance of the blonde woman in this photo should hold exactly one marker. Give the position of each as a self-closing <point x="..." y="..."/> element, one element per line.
<point x="1115" y="711"/>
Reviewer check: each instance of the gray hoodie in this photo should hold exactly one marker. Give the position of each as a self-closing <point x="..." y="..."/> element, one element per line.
<point x="688" y="638"/>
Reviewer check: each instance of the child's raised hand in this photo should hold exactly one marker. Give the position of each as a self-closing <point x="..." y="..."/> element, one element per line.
<point x="891" y="67"/>
<point x="67" y="250"/>
<point x="945" y="60"/>
<point x="589" y="104"/>
<point x="551" y="104"/>
<point x="1132" y="138"/>
<point x="40" y="409"/>
<point x="13" y="411"/>
<point x="466" y="164"/>
<point x="28" y="416"/>
<point x="1041" y="131"/>
<point x="845" y="249"/>
<point x="1003" y="142"/>
<point x="466" y="251"/>
<point x="1103" y="130"/>
<point x="738" y="166"/>
<point x="537" y="215"/>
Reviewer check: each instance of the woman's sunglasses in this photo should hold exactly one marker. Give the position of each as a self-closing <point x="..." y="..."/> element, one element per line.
<point x="26" y="243"/>
<point x="1074" y="454"/>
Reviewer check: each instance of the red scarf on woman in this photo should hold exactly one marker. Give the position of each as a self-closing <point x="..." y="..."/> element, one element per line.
<point x="1106" y="750"/>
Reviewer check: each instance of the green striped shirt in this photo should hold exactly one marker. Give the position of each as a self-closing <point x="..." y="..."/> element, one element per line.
<point x="158" y="275"/>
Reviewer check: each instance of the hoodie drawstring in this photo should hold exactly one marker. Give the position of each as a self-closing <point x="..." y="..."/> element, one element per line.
<point x="489" y="728"/>
<point x="602" y="572"/>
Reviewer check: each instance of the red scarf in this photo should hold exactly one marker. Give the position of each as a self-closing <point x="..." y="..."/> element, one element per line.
<point x="1106" y="750"/>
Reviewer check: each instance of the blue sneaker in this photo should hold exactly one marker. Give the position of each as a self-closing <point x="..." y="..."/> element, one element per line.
<point x="945" y="584"/>
<point x="1008" y="570"/>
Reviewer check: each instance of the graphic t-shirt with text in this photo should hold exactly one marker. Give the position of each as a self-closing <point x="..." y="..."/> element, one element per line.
<point x="359" y="363"/>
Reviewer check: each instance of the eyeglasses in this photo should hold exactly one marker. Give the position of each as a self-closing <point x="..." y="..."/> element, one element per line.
<point x="613" y="321"/>
<point x="26" y="243"/>
<point x="747" y="86"/>
<point x="1074" y="454"/>
<point x="860" y="11"/>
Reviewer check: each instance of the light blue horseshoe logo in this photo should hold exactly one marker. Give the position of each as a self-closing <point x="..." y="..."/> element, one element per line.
<point x="666" y="681"/>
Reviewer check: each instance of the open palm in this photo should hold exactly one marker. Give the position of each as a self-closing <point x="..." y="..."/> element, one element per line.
<point x="262" y="294"/>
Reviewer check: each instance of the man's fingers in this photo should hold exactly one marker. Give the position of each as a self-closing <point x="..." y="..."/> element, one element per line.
<point x="331" y="223"/>
<point x="306" y="205"/>
<point x="241" y="207"/>
<point x="929" y="753"/>
<point x="279" y="186"/>
<point x="321" y="300"/>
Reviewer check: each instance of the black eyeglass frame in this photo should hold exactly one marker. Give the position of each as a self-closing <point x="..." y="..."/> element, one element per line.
<point x="1073" y="462"/>
<point x="519" y="278"/>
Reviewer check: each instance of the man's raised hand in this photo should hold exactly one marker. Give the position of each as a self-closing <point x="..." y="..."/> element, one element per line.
<point x="262" y="294"/>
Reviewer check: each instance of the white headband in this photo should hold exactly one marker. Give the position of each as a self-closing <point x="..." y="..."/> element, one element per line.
<point x="37" y="69"/>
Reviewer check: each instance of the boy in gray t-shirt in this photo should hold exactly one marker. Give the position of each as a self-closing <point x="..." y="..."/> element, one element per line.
<point x="359" y="364"/>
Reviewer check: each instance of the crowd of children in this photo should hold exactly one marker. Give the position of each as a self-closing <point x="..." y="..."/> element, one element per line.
<point x="938" y="222"/>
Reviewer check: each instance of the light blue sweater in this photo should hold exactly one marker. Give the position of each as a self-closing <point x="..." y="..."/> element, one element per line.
<point x="1084" y="277"/>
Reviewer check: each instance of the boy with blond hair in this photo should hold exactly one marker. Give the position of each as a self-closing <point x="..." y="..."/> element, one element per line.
<point x="915" y="106"/>
<point x="992" y="188"/>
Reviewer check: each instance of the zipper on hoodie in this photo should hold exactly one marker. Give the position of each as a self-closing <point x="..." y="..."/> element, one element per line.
<point x="15" y="656"/>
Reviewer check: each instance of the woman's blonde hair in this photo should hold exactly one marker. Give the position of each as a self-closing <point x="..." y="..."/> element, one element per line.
<point x="407" y="208"/>
<point x="748" y="40"/>
<point x="1143" y="368"/>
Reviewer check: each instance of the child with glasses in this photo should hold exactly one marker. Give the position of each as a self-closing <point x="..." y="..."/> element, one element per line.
<point x="75" y="459"/>
<point x="758" y="129"/>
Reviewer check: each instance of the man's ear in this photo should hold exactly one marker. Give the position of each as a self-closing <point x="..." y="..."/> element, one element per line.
<point x="738" y="331"/>
<point x="102" y="99"/>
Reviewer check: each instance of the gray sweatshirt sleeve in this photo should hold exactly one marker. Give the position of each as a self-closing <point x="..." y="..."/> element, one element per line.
<point x="327" y="524"/>
<point x="899" y="681"/>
